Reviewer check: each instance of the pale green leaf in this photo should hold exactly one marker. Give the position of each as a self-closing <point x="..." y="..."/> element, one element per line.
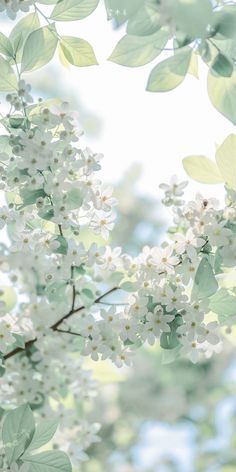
<point x="43" y="434"/>
<point x="193" y="65"/>
<point x="51" y="461"/>
<point x="222" y="93"/>
<point x="134" y="51"/>
<point x="5" y="46"/>
<point x="17" y="431"/>
<point x="70" y="10"/>
<point x="226" y="160"/>
<point x="170" y="73"/>
<point x="39" y="48"/>
<point x="74" y="199"/>
<point x="8" y="80"/>
<point x="222" y="65"/>
<point x="205" y="283"/>
<point x="225" y="21"/>
<point x="78" y="52"/>
<point x="202" y="169"/>
<point x="21" y="31"/>
<point x="223" y="304"/>
<point x="129" y="286"/>
<point x="192" y="16"/>
<point x="146" y="21"/>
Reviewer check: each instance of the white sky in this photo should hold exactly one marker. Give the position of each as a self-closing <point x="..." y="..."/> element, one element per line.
<point x="157" y="130"/>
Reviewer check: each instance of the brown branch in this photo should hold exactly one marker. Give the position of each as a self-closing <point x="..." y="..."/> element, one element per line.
<point x="54" y="327"/>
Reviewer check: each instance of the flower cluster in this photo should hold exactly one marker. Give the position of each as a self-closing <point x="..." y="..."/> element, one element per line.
<point x="12" y="7"/>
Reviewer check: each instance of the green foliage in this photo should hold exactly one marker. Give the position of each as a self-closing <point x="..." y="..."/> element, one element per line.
<point x="226" y="160"/>
<point x="145" y="21"/>
<point x="63" y="245"/>
<point x="71" y="10"/>
<point x="202" y="169"/>
<point x="5" y="46"/>
<point x="39" y="48"/>
<point x="21" y="31"/>
<point x="77" y="52"/>
<point x="8" y="81"/>
<point x="222" y="93"/>
<point x="171" y="340"/>
<point x="74" y="199"/>
<point x="222" y="65"/>
<point x="223" y="303"/>
<point x="20" y="437"/>
<point x="134" y="51"/>
<point x="29" y="197"/>
<point x="170" y="73"/>
<point x="128" y="286"/>
<point x="52" y="461"/>
<point x="205" y="283"/>
<point x="225" y="22"/>
<point x="192" y="17"/>
<point x="18" y="429"/>
<point x="43" y="434"/>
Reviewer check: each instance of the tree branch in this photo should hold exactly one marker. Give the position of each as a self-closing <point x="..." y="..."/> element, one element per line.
<point x="54" y="327"/>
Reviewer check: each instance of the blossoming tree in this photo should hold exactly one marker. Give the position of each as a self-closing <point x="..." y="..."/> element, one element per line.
<point x="63" y="299"/>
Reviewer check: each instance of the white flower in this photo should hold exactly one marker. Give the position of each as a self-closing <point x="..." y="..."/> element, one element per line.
<point x="217" y="234"/>
<point x="163" y="259"/>
<point x="188" y="243"/>
<point x="128" y="329"/>
<point x="102" y="224"/>
<point x="158" y="322"/>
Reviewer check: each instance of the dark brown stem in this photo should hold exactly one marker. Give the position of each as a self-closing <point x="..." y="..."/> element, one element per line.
<point x="55" y="326"/>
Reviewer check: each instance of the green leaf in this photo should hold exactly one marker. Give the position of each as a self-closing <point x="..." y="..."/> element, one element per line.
<point x="223" y="304"/>
<point x="192" y="16"/>
<point x="4" y="144"/>
<point x="226" y="160"/>
<point x="51" y="461"/>
<point x="222" y="65"/>
<point x="63" y="248"/>
<point x="29" y="197"/>
<point x="5" y="46"/>
<point x="146" y="21"/>
<point x="74" y="199"/>
<point x="205" y="283"/>
<point x="71" y="10"/>
<point x="170" y="73"/>
<point x="17" y="431"/>
<point x="78" y="52"/>
<point x="171" y="340"/>
<point x="47" y="213"/>
<point x="202" y="169"/>
<point x="39" y="48"/>
<point x="222" y="93"/>
<point x="88" y="293"/>
<point x="134" y="51"/>
<point x="43" y="434"/>
<point x="225" y="22"/>
<point x="21" y="31"/>
<point x="20" y="341"/>
<point x="8" y="80"/>
<point x="129" y="286"/>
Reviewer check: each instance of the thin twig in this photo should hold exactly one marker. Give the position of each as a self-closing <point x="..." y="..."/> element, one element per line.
<point x="55" y="326"/>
